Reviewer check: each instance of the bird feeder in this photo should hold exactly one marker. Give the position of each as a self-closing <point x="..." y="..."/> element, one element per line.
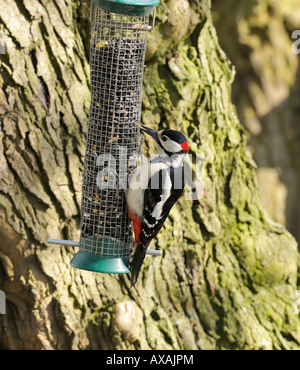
<point x="118" y="46"/>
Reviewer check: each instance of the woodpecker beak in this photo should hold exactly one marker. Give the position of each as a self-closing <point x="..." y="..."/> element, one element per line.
<point x="150" y="132"/>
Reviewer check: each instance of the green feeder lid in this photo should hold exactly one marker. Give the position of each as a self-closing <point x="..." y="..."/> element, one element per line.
<point x="128" y="7"/>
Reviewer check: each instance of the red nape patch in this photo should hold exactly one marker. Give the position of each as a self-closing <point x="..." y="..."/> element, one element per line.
<point x="137" y="226"/>
<point x="185" y="146"/>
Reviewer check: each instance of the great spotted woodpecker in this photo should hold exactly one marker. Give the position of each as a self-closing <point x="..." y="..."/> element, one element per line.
<point x="153" y="190"/>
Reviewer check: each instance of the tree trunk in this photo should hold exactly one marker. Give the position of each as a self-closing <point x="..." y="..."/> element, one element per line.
<point x="257" y="36"/>
<point x="227" y="275"/>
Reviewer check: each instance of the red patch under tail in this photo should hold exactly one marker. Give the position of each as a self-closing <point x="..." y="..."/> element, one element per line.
<point x="137" y="226"/>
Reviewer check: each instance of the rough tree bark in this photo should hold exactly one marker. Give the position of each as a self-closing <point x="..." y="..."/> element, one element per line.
<point x="228" y="273"/>
<point x="257" y="37"/>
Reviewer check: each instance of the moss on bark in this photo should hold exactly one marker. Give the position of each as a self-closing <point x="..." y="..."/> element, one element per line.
<point x="257" y="37"/>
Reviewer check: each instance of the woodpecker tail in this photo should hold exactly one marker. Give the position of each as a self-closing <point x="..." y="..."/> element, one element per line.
<point x="136" y="261"/>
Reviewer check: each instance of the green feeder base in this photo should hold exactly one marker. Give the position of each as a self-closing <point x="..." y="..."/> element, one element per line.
<point x="96" y="263"/>
<point x="106" y="262"/>
<point x="128" y="7"/>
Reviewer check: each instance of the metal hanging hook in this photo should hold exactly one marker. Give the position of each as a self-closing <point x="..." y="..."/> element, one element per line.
<point x="153" y="20"/>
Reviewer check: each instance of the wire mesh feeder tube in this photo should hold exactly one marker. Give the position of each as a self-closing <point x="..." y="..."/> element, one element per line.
<point x="118" y="49"/>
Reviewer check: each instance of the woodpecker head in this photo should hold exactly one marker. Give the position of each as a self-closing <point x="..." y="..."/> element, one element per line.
<point x="170" y="141"/>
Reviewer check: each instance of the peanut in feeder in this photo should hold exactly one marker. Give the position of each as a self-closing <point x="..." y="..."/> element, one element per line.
<point x="118" y="46"/>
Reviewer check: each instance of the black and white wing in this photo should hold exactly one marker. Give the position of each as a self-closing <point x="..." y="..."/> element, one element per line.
<point x="159" y="198"/>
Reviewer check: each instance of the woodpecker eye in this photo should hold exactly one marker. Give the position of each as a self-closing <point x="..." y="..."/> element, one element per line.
<point x="164" y="138"/>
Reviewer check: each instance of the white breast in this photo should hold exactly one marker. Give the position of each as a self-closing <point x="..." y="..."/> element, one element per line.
<point x="138" y="183"/>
